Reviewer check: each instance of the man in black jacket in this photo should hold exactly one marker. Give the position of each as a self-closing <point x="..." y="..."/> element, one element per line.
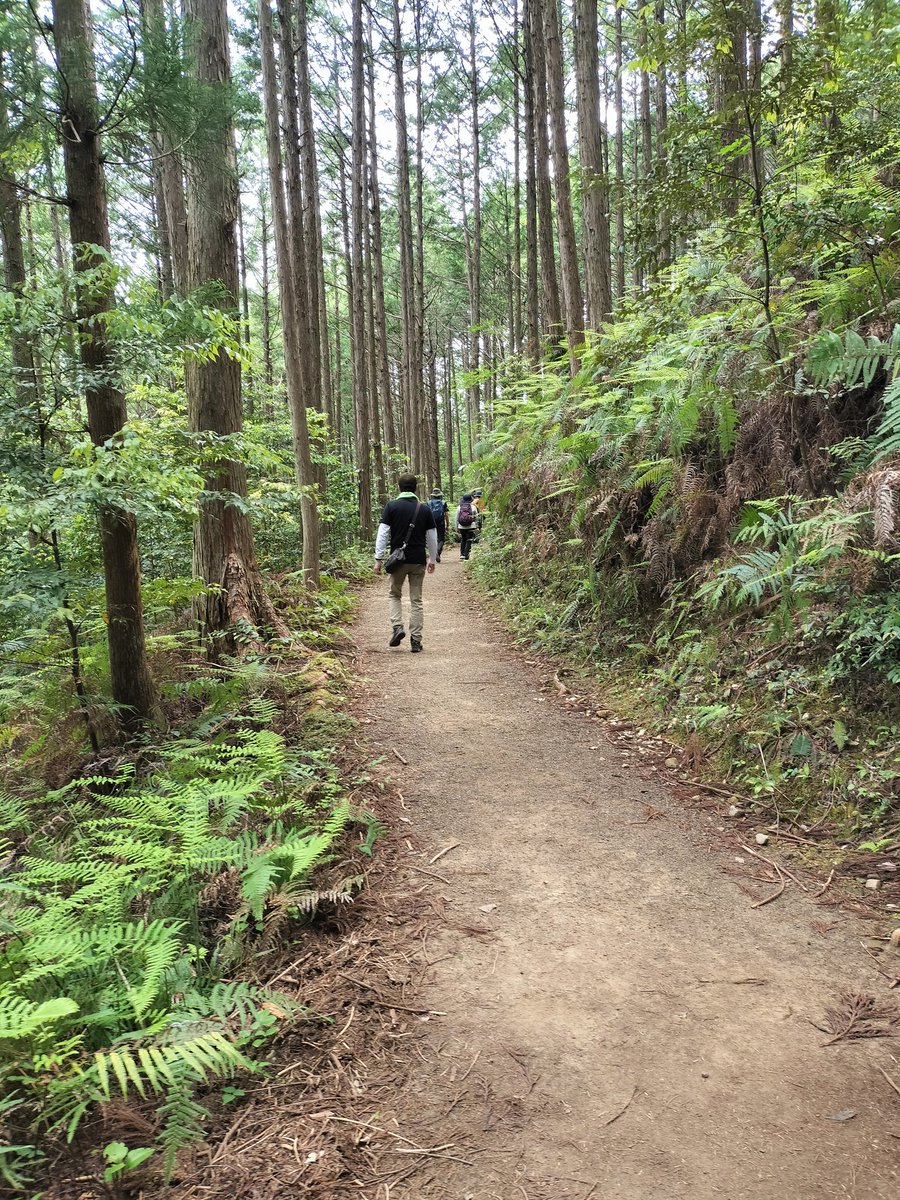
<point x="406" y="521"/>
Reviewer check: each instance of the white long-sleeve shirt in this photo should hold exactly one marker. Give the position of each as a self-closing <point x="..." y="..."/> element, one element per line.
<point x="383" y="540"/>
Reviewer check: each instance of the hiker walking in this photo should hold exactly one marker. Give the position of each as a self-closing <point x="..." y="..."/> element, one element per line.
<point x="409" y="527"/>
<point x="440" y="512"/>
<point x="466" y="524"/>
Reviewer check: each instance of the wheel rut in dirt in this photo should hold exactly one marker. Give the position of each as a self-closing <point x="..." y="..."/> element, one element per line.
<point x="613" y="1019"/>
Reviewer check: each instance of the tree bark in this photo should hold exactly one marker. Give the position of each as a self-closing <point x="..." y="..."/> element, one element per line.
<point x="410" y="384"/>
<point x="594" y="189"/>
<point x="131" y="682"/>
<point x="565" y="223"/>
<point x="553" y="318"/>
<point x="312" y="219"/>
<point x="620" y="161"/>
<point x="516" y="330"/>
<point x="532" y="302"/>
<point x="245" y="301"/>
<point x="224" y="548"/>
<point x="381" y="338"/>
<point x="664" y="220"/>
<point x="647" y="232"/>
<point x="305" y="471"/>
<point x="264" y="299"/>
<point x="475" y="257"/>
<point x="300" y="253"/>
<point x="364" y="433"/>
<point x="168" y="166"/>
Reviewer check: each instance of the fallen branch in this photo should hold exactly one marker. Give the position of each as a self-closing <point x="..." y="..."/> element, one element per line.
<point x="383" y="1002"/>
<point x="708" y="787"/>
<point x="781" y="870"/>
<point x="825" y="886"/>
<point x="891" y="1082"/>
<point x="622" y="1110"/>
<point x="441" y="853"/>
<point x="774" y="896"/>
<point x="399" y="757"/>
<point x="895" y="979"/>
<point x="430" y="874"/>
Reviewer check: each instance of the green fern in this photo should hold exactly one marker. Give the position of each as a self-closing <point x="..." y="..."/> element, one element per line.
<point x="182" y="1122"/>
<point x="110" y="983"/>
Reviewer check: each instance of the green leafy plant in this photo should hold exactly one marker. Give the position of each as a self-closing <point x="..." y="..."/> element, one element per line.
<point x="120" y="1159"/>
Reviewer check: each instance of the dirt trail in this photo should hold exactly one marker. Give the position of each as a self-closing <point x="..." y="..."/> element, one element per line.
<point x="628" y="1028"/>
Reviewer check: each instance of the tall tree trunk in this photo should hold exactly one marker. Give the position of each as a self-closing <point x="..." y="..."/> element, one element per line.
<point x="553" y="319"/>
<point x="300" y="264"/>
<point x="620" y="161"/>
<point x="224" y="549"/>
<point x="245" y="302"/>
<point x="647" y="233"/>
<point x="448" y="416"/>
<point x="132" y="684"/>
<point x="312" y="220"/>
<point x="411" y="386"/>
<point x="168" y="165"/>
<point x="475" y="269"/>
<point x="532" y="302"/>
<point x="265" y="301"/>
<point x="27" y="385"/>
<point x="565" y="223"/>
<point x="664" y="223"/>
<point x="371" y="357"/>
<point x="785" y="10"/>
<point x="427" y="434"/>
<point x="364" y="433"/>
<point x="516" y="331"/>
<point x="305" y="471"/>
<point x="730" y="67"/>
<point x="381" y="337"/>
<point x="594" y="189"/>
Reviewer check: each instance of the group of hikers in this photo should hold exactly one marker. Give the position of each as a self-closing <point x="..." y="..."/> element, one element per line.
<point x="411" y="537"/>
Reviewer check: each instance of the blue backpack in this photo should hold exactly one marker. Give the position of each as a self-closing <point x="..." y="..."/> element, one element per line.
<point x="437" y="509"/>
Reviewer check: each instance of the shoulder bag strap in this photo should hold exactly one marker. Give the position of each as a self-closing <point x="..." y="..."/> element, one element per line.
<point x="412" y="525"/>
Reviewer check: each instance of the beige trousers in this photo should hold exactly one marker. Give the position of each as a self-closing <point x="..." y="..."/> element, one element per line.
<point x="416" y="575"/>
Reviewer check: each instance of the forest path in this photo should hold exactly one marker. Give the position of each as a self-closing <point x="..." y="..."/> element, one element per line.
<point x="628" y="1027"/>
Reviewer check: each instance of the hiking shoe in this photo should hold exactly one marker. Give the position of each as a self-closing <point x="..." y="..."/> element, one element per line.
<point x="398" y="635"/>
<point x="416" y="646"/>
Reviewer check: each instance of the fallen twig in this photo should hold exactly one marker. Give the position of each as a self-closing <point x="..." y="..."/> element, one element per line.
<point x="774" y="896"/>
<point x="708" y="787"/>
<point x="752" y="980"/>
<point x="399" y="757"/>
<point x="826" y="885"/>
<point x="895" y="979"/>
<point x="771" y="863"/>
<point x="385" y="1002"/>
<point x="431" y="874"/>
<point x="890" y="1081"/>
<point x="441" y="853"/>
<point x="652" y="815"/>
<point x="561" y="689"/>
<point x="616" y="1116"/>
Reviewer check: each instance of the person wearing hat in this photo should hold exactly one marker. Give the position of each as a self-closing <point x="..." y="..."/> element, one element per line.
<point x="440" y="512"/>
<point x="466" y="524"/>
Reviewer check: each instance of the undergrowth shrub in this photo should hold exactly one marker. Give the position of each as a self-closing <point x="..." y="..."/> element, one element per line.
<point x="716" y="530"/>
<point x="132" y="906"/>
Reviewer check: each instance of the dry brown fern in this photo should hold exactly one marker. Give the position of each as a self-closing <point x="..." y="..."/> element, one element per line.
<point x="860" y="1016"/>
